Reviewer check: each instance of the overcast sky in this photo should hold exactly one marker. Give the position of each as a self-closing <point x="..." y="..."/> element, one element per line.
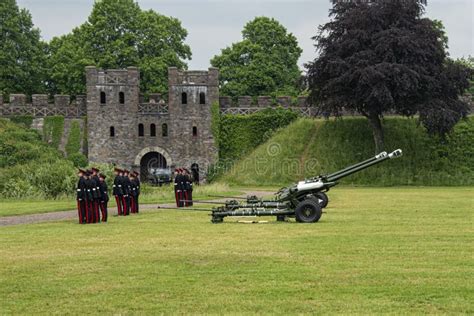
<point x="215" y="24"/>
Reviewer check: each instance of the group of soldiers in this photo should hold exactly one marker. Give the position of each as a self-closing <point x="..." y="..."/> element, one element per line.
<point x="126" y="190"/>
<point x="92" y="193"/>
<point x="91" y="196"/>
<point x="183" y="187"/>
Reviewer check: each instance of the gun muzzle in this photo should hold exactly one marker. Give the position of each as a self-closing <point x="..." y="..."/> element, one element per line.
<point x="395" y="154"/>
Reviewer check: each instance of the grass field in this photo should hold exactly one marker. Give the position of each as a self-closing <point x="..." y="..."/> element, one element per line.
<point x="151" y="195"/>
<point x="376" y="250"/>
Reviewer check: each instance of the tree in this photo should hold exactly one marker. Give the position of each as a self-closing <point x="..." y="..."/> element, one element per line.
<point x="384" y="57"/>
<point x="469" y="64"/>
<point x="22" y="53"/>
<point x="265" y="62"/>
<point x="119" y="34"/>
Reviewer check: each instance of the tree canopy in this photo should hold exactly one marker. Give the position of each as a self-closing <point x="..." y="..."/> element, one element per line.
<point x="385" y="57"/>
<point x="265" y="62"/>
<point x="22" y="53"/>
<point x="118" y="34"/>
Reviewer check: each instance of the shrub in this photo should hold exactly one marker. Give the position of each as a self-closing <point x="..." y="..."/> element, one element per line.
<point x="25" y="120"/>
<point x="78" y="159"/>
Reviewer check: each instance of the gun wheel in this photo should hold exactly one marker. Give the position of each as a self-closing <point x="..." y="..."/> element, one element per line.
<point x="322" y="199"/>
<point x="308" y="211"/>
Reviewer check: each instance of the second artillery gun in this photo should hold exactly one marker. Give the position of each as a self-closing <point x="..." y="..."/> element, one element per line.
<point x="303" y="201"/>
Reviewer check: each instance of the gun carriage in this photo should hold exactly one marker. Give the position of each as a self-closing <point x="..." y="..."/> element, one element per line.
<point x="303" y="201"/>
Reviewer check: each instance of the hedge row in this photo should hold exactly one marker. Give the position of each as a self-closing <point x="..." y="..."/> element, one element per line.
<point x="237" y="135"/>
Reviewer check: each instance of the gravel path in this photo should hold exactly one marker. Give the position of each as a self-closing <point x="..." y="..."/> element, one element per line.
<point x="72" y="215"/>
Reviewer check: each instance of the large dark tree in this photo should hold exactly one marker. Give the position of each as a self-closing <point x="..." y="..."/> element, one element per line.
<point x="118" y="34"/>
<point x="385" y="57"/>
<point x="22" y="53"/>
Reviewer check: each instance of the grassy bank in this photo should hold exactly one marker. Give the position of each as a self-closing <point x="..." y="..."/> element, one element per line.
<point x="151" y="195"/>
<point x="310" y="147"/>
<point x="384" y="250"/>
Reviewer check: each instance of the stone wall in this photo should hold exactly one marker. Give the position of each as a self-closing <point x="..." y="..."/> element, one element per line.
<point x="41" y="106"/>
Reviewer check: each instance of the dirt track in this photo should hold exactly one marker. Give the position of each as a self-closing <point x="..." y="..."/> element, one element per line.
<point x="72" y="215"/>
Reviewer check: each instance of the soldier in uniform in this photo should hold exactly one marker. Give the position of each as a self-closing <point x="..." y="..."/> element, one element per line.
<point x="176" y="187"/>
<point x="178" y="183"/>
<point x="104" y="197"/>
<point x="96" y="194"/>
<point x="117" y="191"/>
<point x="133" y="190"/>
<point x="137" y="193"/>
<point x="89" y="198"/>
<point x="184" y="188"/>
<point x="126" y="190"/>
<point x="189" y="188"/>
<point x="80" y="197"/>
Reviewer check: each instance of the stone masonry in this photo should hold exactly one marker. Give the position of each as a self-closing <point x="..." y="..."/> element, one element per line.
<point x="124" y="131"/>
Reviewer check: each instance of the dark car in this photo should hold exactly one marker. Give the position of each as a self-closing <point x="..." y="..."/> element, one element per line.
<point x="159" y="176"/>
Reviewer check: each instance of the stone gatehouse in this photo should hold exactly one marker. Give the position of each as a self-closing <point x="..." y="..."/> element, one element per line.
<point x="124" y="130"/>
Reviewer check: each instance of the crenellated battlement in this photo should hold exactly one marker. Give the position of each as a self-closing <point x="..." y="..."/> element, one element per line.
<point x="208" y="77"/>
<point x="40" y="105"/>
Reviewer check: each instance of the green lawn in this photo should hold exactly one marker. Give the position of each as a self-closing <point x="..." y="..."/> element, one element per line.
<point x="376" y="250"/>
<point x="152" y="195"/>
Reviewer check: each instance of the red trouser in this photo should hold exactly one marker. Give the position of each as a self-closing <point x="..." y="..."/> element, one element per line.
<point x="132" y="204"/>
<point x="96" y="217"/>
<point x="137" y="205"/>
<point x="81" y="211"/>
<point x="125" y="206"/>
<point x="118" y="200"/>
<point x="179" y="198"/>
<point x="103" y="210"/>
<point x="186" y="198"/>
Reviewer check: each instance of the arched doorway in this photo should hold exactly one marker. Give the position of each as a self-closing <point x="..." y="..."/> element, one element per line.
<point x="150" y="163"/>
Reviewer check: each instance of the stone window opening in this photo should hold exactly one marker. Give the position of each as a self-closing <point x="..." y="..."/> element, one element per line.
<point x="184" y="98"/>
<point x="152" y="130"/>
<point x="103" y="98"/>
<point x="202" y="98"/>
<point x="112" y="131"/>
<point x="141" y="130"/>
<point x="122" y="98"/>
<point x="195" y="131"/>
<point x="164" y="130"/>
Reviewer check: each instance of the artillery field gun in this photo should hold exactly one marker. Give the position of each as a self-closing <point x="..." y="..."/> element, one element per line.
<point x="303" y="200"/>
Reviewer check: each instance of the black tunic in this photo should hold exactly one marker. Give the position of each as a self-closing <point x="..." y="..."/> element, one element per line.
<point x="104" y="195"/>
<point x="117" y="188"/>
<point x="80" y="189"/>
<point x="95" y="190"/>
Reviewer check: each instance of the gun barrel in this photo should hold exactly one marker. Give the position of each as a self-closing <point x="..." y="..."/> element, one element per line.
<point x="363" y="165"/>
<point x="382" y="154"/>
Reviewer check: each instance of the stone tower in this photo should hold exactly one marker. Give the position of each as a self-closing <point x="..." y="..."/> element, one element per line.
<point x="191" y="94"/>
<point x="112" y="106"/>
<point x="154" y="134"/>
